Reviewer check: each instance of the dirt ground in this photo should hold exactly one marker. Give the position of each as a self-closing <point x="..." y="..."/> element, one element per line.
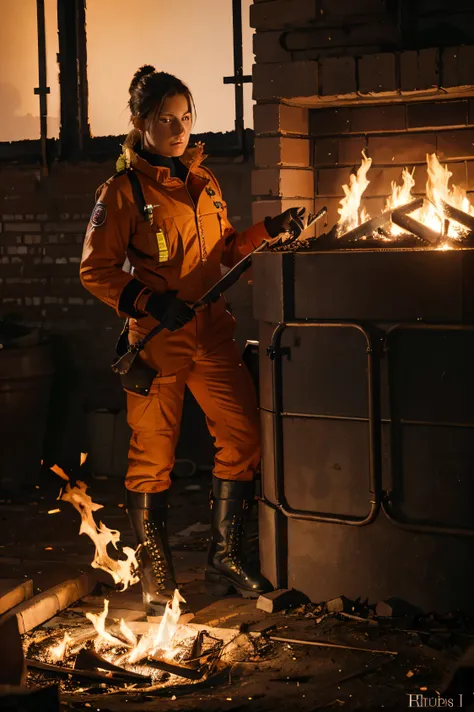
<point x="414" y="655"/>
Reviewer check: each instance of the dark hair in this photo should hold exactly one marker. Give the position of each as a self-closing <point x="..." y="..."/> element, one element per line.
<point x="149" y="88"/>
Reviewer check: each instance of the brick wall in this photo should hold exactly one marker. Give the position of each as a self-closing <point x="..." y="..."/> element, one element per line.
<point x="394" y="136"/>
<point x="311" y="29"/>
<point x="334" y="77"/>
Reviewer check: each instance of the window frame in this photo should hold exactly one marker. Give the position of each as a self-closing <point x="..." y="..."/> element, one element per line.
<point x="77" y="143"/>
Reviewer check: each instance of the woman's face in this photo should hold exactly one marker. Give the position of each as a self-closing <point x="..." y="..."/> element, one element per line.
<point x="167" y="132"/>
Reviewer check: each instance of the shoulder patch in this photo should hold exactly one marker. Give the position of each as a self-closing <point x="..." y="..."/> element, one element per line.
<point x="99" y="215"/>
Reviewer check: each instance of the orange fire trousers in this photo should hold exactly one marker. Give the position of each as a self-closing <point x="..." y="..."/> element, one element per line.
<point x="203" y="356"/>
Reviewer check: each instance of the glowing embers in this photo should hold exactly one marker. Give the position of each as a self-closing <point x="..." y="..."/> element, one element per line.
<point x="443" y="219"/>
<point x="122" y="647"/>
<point x="115" y="655"/>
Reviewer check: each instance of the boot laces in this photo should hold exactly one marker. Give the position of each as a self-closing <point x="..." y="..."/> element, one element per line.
<point x="235" y="542"/>
<point x="158" y="561"/>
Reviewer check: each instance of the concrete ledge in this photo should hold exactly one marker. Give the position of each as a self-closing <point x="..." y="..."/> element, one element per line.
<point x="13" y="592"/>
<point x="47" y="604"/>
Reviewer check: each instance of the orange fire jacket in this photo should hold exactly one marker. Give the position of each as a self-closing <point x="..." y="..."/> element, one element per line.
<point x="181" y="246"/>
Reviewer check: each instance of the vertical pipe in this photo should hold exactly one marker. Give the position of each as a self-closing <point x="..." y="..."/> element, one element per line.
<point x="70" y="144"/>
<point x="42" y="88"/>
<point x="83" y="87"/>
<point x="238" y="71"/>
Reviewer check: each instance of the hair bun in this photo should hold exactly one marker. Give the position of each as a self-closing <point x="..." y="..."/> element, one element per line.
<point x="139" y="74"/>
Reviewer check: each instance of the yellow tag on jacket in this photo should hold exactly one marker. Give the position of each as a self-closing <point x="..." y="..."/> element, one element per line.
<point x="186" y="257"/>
<point x="163" y="254"/>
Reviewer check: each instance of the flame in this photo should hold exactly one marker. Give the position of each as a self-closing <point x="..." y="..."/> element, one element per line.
<point x="59" y="471"/>
<point x="169" y="623"/>
<point x="349" y="210"/>
<point x="98" y="621"/>
<point x="431" y="214"/>
<point x="122" y="570"/>
<point x="401" y="195"/>
<point x="128" y="634"/>
<point x="437" y="189"/>
<point x="152" y="642"/>
<point x="57" y="652"/>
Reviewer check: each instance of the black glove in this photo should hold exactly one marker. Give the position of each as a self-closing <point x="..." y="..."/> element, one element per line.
<point x="169" y="310"/>
<point x="292" y="220"/>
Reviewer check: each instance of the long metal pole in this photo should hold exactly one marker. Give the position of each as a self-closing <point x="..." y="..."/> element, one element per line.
<point x="42" y="89"/>
<point x="238" y="71"/>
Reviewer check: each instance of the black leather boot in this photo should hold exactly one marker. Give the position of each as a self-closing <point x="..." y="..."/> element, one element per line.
<point x="227" y="570"/>
<point x="148" y="516"/>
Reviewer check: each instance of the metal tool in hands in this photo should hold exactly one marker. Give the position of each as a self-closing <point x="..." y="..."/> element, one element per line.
<point x="299" y="224"/>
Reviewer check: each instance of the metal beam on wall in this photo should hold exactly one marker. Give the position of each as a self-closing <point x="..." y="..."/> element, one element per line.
<point x="42" y="89"/>
<point x="239" y="79"/>
<point x="74" y="130"/>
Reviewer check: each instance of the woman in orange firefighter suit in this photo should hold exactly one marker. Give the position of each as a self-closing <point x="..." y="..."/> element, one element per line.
<point x="176" y="250"/>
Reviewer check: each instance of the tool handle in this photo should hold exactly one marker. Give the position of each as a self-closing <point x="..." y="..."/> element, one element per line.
<point x="123" y="364"/>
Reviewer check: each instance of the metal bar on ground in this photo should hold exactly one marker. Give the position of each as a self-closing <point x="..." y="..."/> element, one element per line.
<point x="322" y="644"/>
<point x="90" y="674"/>
<point x="180" y="670"/>
<point x="90" y="660"/>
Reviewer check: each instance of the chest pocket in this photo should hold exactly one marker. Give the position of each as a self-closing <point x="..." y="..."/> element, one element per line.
<point x="156" y="235"/>
<point x="158" y="241"/>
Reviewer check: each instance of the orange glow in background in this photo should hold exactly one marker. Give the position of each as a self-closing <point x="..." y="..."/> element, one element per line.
<point x="190" y="39"/>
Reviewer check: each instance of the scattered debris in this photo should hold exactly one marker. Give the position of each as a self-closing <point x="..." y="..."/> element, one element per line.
<point x="396" y="608"/>
<point x="345" y="605"/>
<point x="281" y="599"/>
<point x="324" y="644"/>
<point x="360" y="619"/>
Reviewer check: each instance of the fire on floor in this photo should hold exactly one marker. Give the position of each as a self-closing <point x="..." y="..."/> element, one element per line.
<point x="233" y="654"/>
<point x="312" y="656"/>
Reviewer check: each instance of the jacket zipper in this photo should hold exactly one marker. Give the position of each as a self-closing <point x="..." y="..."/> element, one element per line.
<point x="202" y="245"/>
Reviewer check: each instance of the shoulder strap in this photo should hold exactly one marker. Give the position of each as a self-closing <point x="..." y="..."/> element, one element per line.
<point x="137" y="191"/>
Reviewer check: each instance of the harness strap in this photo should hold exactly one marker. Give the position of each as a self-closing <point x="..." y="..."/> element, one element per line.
<point x="137" y="191"/>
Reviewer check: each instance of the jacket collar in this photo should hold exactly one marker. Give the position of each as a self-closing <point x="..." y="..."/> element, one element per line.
<point x="191" y="158"/>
